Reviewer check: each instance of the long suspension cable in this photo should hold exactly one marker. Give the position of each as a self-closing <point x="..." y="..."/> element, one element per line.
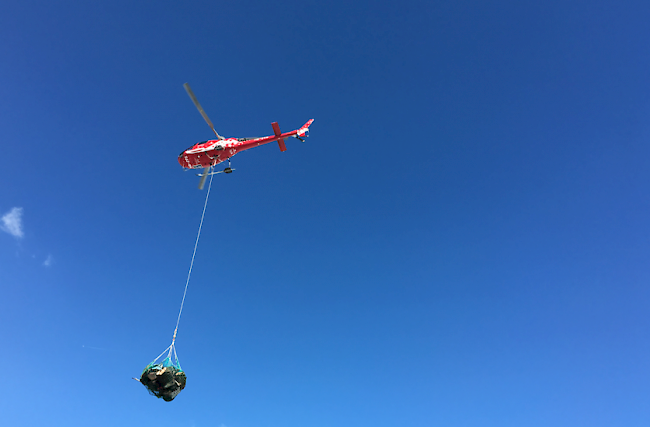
<point x="189" y="273"/>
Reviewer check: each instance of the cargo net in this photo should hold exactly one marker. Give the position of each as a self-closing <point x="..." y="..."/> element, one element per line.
<point x="164" y="377"/>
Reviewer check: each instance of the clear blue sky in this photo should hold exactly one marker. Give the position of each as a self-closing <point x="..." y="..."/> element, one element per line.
<point x="462" y="241"/>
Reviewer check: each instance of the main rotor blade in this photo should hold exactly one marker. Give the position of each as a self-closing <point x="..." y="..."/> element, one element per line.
<point x="198" y="107"/>
<point x="204" y="176"/>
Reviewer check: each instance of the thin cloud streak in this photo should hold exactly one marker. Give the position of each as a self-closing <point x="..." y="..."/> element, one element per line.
<point x="12" y="222"/>
<point x="48" y="261"/>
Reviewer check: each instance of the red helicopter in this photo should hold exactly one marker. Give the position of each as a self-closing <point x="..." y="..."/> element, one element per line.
<point x="208" y="154"/>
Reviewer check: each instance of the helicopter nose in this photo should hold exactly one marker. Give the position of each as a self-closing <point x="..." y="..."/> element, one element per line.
<point x="184" y="161"/>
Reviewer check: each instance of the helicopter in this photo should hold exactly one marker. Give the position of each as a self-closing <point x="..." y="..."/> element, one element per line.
<point x="208" y="154"/>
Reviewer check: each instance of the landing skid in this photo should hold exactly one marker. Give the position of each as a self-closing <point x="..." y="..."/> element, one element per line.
<point x="226" y="170"/>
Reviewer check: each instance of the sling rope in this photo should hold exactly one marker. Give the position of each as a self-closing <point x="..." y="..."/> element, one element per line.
<point x="196" y="244"/>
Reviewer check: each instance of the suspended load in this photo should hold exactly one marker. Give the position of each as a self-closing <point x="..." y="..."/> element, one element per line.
<point x="164" y="377"/>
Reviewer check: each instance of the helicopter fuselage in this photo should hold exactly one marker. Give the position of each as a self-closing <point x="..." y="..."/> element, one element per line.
<point x="212" y="152"/>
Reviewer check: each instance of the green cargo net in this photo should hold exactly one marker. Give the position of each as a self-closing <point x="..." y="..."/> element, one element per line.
<point x="164" y="377"/>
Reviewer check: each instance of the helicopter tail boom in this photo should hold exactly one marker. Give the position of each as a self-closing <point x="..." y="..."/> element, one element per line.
<point x="298" y="133"/>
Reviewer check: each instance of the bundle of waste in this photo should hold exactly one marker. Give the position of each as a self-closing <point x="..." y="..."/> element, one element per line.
<point x="164" y="380"/>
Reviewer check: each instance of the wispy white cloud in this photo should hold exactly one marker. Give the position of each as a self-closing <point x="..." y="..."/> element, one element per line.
<point x="12" y="222"/>
<point x="48" y="261"/>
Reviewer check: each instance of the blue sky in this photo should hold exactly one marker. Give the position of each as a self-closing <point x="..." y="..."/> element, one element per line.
<point x="462" y="241"/>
